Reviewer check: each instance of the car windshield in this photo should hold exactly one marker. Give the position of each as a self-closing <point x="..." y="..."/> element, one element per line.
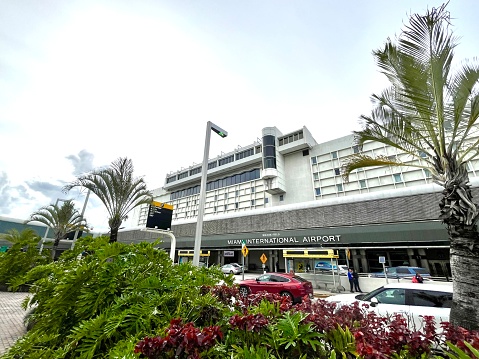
<point x="391" y="270"/>
<point x="368" y="296"/>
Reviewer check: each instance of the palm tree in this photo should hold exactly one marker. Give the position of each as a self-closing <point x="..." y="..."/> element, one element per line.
<point x="62" y="219"/>
<point x="431" y="114"/>
<point x="119" y="191"/>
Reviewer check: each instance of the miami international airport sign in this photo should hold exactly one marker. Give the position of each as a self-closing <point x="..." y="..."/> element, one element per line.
<point x="391" y="232"/>
<point x="276" y="238"/>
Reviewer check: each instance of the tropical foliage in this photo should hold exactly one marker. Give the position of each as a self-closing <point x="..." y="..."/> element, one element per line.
<point x="61" y="219"/>
<point x="111" y="298"/>
<point x="131" y="301"/>
<point x="21" y="256"/>
<point x="117" y="189"/>
<point x="430" y="113"/>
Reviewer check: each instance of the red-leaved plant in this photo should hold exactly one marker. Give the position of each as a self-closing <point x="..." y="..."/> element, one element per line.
<point x="183" y="341"/>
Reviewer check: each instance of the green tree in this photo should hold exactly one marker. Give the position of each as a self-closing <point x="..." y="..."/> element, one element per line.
<point x="430" y="113"/>
<point x="61" y="219"/>
<point x="119" y="191"/>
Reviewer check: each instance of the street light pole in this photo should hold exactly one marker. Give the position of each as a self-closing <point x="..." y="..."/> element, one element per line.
<point x="201" y="206"/>
<point x="81" y="216"/>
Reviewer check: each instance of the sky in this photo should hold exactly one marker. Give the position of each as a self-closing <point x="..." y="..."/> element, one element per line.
<point x="83" y="83"/>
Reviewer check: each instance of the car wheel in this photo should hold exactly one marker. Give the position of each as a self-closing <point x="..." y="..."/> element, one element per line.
<point x="243" y="291"/>
<point x="231" y="272"/>
<point x="287" y="294"/>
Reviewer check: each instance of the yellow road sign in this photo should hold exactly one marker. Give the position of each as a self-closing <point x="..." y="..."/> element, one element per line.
<point x="245" y="251"/>
<point x="263" y="258"/>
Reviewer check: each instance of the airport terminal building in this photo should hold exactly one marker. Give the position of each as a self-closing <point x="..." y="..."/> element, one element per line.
<point x="285" y="193"/>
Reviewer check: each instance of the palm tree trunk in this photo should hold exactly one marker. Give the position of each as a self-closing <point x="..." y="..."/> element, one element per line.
<point x="465" y="276"/>
<point x="113" y="235"/>
<point x="460" y="213"/>
<point x="55" y="247"/>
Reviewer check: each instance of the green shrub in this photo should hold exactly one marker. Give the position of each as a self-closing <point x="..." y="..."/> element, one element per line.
<point x="111" y="298"/>
<point x="22" y="256"/>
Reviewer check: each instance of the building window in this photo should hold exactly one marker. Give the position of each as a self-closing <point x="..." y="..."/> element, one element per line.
<point x="337" y="172"/>
<point x="226" y="195"/>
<point x="422" y="154"/>
<point x="236" y="193"/>
<point x="216" y="197"/>
<point x="316" y="176"/>
<point x="215" y="209"/>
<point x="362" y="183"/>
<point x="212" y="165"/>
<point x="195" y="171"/>
<point x="266" y="200"/>
<point x="226" y="160"/>
<point x="314" y="160"/>
<point x="226" y="207"/>
<point x="334" y="154"/>
<point x="269" y="151"/>
<point x="317" y="190"/>
<point x="281" y="197"/>
<point x="339" y="187"/>
<point x="397" y="177"/>
<point x="427" y="173"/>
<point x="252" y="202"/>
<point x="252" y="189"/>
<point x="236" y="205"/>
<point x="186" y="214"/>
<point x="183" y="175"/>
<point x="356" y="149"/>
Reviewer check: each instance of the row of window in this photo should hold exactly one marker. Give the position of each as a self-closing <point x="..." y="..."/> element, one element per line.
<point x="219" y="183"/>
<point x="216" y="163"/>
<point x="334" y="155"/>
<point x="363" y="184"/>
<point x="290" y="138"/>
<point x="224" y="207"/>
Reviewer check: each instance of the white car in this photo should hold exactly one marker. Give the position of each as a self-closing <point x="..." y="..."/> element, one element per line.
<point x="239" y="265"/>
<point x="410" y="299"/>
<point x="231" y="268"/>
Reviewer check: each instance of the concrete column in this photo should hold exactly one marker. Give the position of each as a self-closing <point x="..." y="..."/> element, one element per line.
<point x="412" y="258"/>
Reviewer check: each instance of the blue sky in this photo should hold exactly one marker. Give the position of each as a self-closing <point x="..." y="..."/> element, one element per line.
<point x="85" y="82"/>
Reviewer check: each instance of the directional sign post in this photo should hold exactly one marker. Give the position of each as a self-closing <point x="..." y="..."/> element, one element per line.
<point x="245" y="251"/>
<point x="263" y="259"/>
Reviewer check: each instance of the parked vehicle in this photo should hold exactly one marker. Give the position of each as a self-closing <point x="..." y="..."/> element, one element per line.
<point x="413" y="300"/>
<point x="402" y="272"/>
<point x="239" y="265"/>
<point x="327" y="266"/>
<point x="285" y="284"/>
<point x="231" y="268"/>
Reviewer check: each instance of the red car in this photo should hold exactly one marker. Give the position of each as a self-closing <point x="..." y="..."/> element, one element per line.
<point x="284" y="284"/>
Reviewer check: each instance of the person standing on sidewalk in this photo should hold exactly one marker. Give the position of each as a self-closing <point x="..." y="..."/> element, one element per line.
<point x="351" y="279"/>
<point x="356" y="281"/>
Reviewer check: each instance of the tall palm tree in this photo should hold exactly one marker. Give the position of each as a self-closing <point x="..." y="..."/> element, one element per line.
<point x="119" y="191"/>
<point x="61" y="219"/>
<point x="431" y="114"/>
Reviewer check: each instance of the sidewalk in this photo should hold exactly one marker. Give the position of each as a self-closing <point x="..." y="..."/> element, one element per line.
<point x="11" y="319"/>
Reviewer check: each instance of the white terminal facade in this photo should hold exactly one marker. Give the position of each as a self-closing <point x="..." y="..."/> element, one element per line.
<point x="250" y="188"/>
